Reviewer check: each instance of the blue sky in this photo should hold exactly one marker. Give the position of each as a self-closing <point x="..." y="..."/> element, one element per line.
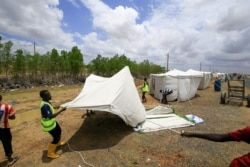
<point x="211" y="35"/>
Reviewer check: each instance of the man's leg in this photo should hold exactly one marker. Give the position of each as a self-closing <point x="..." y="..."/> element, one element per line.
<point x="6" y="138"/>
<point x="144" y="97"/>
<point x="164" y="98"/>
<point x="56" y="134"/>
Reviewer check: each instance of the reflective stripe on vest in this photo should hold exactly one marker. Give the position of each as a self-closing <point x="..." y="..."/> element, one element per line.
<point x="48" y="123"/>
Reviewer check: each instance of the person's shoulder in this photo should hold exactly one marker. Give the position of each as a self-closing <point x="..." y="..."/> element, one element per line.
<point x="45" y="106"/>
<point x="6" y="105"/>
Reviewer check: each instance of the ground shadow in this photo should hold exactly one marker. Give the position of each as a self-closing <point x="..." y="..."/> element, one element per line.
<point x="3" y="163"/>
<point x="99" y="131"/>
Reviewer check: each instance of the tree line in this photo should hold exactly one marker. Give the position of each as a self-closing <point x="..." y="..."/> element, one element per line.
<point x="62" y="67"/>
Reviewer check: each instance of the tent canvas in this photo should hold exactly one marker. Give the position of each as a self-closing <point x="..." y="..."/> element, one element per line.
<point x="162" y="118"/>
<point x="183" y="84"/>
<point x="117" y="95"/>
<point x="205" y="79"/>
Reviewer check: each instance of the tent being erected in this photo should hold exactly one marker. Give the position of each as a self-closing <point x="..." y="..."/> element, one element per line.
<point x="183" y="84"/>
<point x="117" y="95"/>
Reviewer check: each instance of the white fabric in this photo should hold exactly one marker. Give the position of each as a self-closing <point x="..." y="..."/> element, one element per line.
<point x="117" y="95"/>
<point x="183" y="84"/>
<point x="161" y="118"/>
<point x="205" y="79"/>
<point x="194" y="118"/>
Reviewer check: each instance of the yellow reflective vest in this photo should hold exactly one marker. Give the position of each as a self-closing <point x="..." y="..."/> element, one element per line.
<point x="48" y="124"/>
<point x="145" y="87"/>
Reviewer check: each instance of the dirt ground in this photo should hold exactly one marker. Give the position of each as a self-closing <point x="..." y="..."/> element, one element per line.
<point x="104" y="140"/>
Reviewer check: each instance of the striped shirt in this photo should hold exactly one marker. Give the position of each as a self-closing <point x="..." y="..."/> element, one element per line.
<point x="6" y="111"/>
<point x="167" y="91"/>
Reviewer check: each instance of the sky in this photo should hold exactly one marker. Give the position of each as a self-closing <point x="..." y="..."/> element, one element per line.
<point x="206" y="35"/>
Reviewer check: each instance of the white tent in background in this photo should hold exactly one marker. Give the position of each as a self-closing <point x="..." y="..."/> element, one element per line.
<point x="221" y="76"/>
<point x="117" y="95"/>
<point x="205" y="79"/>
<point x="183" y="84"/>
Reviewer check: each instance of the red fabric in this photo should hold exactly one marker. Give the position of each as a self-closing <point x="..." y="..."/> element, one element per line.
<point x="243" y="161"/>
<point x="241" y="135"/>
<point x="8" y="111"/>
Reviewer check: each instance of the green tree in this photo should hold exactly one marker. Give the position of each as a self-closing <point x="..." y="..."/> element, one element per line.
<point x="64" y="62"/>
<point x="33" y="65"/>
<point x="98" y="65"/>
<point x="19" y="69"/>
<point x="1" y="53"/>
<point x="76" y="61"/>
<point x="54" y="62"/>
<point x="6" y="57"/>
<point x="156" y="69"/>
<point x="44" y="64"/>
<point x="144" y="68"/>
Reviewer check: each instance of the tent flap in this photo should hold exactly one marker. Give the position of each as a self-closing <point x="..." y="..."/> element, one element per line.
<point x="161" y="118"/>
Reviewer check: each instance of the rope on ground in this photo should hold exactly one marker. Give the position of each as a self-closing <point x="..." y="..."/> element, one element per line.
<point x="174" y="130"/>
<point x="83" y="160"/>
<point x="80" y="156"/>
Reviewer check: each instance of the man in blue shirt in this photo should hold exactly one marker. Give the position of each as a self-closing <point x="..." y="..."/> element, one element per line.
<point x="49" y="123"/>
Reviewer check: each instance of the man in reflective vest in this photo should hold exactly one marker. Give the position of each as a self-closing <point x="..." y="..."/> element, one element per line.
<point x="49" y="123"/>
<point x="145" y="89"/>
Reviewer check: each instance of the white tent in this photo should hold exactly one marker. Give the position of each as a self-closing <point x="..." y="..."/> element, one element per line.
<point x="205" y="79"/>
<point x="117" y="95"/>
<point x="183" y="84"/>
<point x="221" y="76"/>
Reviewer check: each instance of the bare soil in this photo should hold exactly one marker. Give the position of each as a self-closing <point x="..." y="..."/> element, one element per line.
<point x="104" y="140"/>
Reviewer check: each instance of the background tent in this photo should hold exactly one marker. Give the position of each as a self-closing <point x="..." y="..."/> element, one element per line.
<point x="183" y="84"/>
<point x="205" y="80"/>
<point x="117" y="95"/>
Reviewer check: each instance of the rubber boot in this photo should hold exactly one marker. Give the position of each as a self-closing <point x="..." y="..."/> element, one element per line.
<point x="51" y="151"/>
<point x="61" y="143"/>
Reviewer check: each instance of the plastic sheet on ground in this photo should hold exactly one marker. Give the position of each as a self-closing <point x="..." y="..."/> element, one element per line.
<point x="161" y="118"/>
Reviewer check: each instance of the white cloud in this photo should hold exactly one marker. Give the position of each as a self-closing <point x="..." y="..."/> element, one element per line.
<point x="214" y="33"/>
<point x="40" y="21"/>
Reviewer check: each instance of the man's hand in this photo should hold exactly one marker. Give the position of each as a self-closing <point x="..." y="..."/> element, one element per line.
<point x="12" y="117"/>
<point x="63" y="109"/>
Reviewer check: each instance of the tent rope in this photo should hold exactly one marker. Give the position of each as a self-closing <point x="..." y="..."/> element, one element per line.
<point x="83" y="160"/>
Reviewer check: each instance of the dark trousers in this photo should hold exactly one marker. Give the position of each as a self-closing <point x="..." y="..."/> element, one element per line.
<point x="144" y="97"/>
<point x="56" y="134"/>
<point x="6" y="138"/>
<point x="164" y="98"/>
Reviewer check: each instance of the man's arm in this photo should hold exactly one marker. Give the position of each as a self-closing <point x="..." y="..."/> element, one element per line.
<point x="62" y="109"/>
<point x="47" y="113"/>
<point x="209" y="136"/>
<point x="12" y="112"/>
